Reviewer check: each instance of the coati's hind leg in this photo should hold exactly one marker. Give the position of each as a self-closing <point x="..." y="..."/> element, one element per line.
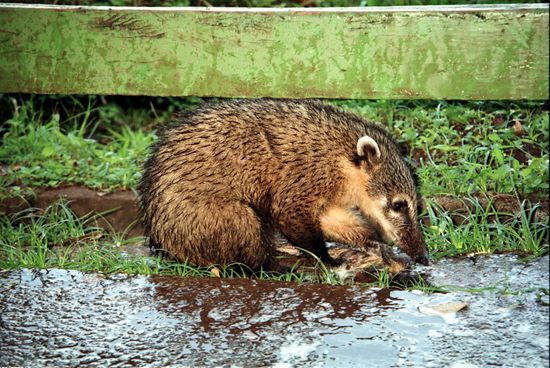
<point x="222" y="232"/>
<point x="244" y="238"/>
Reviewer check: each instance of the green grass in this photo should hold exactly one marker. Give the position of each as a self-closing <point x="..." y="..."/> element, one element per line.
<point x="40" y="153"/>
<point x="56" y="238"/>
<point x="485" y="231"/>
<point x="458" y="148"/>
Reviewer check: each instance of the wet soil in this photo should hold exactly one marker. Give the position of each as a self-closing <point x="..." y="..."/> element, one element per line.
<point x="120" y="209"/>
<point x="506" y="205"/>
<point x="67" y="318"/>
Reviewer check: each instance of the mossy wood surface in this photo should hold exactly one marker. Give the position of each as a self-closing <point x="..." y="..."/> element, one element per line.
<point x="436" y="52"/>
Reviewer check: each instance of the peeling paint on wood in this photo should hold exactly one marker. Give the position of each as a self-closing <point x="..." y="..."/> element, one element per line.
<point x="447" y="52"/>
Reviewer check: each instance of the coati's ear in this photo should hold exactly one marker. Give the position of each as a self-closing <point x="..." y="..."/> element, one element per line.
<point x="368" y="150"/>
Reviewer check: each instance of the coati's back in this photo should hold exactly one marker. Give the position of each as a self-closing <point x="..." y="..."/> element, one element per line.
<point x="249" y="148"/>
<point x="233" y="172"/>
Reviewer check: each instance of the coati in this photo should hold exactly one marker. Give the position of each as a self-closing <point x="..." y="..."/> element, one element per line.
<point x="219" y="184"/>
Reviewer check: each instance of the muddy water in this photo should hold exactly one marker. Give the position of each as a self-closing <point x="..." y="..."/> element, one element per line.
<point x="67" y="318"/>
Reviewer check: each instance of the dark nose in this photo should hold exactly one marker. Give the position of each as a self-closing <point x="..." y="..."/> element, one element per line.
<point x="422" y="259"/>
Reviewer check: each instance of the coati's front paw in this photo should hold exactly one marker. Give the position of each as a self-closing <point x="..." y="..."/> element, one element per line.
<point x="395" y="263"/>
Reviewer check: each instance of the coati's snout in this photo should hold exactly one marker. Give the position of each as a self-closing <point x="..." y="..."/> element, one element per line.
<point x="423" y="259"/>
<point x="402" y="214"/>
<point x="395" y="222"/>
<point x="392" y="205"/>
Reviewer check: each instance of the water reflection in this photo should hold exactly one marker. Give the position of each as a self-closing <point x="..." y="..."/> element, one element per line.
<point x="236" y="305"/>
<point x="67" y="318"/>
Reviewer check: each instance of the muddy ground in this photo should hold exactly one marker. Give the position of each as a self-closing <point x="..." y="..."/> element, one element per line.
<point x="68" y="318"/>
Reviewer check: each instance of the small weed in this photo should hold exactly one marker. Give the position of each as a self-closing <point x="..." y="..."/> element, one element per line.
<point x="321" y="273"/>
<point x="422" y="285"/>
<point x="383" y="277"/>
<point x="294" y="274"/>
<point x="542" y="296"/>
<point x="29" y="239"/>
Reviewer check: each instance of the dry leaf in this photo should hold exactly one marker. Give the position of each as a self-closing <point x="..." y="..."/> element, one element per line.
<point x="474" y="254"/>
<point x="215" y="272"/>
<point x="288" y="249"/>
<point x="518" y="128"/>
<point x="451" y="307"/>
<point x="447" y="311"/>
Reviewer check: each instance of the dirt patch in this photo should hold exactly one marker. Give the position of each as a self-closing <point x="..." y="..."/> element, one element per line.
<point x="505" y="205"/>
<point x="116" y="211"/>
<point x="119" y="211"/>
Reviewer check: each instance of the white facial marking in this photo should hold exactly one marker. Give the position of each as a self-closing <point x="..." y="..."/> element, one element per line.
<point x="389" y="233"/>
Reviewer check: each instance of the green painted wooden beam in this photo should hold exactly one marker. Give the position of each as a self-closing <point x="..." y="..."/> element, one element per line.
<point x="435" y="52"/>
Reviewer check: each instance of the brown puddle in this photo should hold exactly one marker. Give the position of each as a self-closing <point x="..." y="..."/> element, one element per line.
<point x="68" y="318"/>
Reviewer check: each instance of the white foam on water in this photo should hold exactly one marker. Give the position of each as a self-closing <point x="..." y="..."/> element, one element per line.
<point x="295" y="350"/>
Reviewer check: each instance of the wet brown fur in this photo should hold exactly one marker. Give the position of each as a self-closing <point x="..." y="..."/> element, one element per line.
<point x="220" y="183"/>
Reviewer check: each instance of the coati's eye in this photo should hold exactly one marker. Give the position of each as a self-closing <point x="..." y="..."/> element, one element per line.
<point x="399" y="205"/>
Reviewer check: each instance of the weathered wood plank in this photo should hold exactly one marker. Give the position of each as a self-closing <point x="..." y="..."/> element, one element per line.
<point x="447" y="52"/>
